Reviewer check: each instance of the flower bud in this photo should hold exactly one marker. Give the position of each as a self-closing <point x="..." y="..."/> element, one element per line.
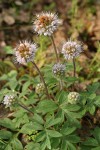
<point x="58" y="70"/>
<point x="73" y="97"/>
<point x="39" y="88"/>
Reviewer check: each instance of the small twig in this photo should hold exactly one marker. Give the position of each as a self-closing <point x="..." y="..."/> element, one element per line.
<point x="55" y="49"/>
<point x="46" y="90"/>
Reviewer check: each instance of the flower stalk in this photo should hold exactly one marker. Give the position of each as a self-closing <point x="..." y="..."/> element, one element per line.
<point x="42" y="79"/>
<point x="61" y="84"/>
<point x="24" y="107"/>
<point x="55" y="49"/>
<point x="74" y="65"/>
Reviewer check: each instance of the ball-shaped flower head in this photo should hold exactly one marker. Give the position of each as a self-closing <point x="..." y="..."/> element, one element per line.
<point x="39" y="88"/>
<point x="73" y="97"/>
<point x="9" y="100"/>
<point x="25" y="52"/>
<point x="59" y="70"/>
<point x="46" y="23"/>
<point x="72" y="49"/>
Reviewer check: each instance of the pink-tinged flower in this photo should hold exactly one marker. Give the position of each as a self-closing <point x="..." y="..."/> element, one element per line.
<point x="59" y="69"/>
<point x="72" y="49"/>
<point x="25" y="52"/>
<point x="8" y="100"/>
<point x="46" y="23"/>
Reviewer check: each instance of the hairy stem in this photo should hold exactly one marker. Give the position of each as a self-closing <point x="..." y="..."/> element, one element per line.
<point x="74" y="65"/>
<point x="25" y="107"/>
<point x="61" y="84"/>
<point x="38" y="70"/>
<point x="55" y="49"/>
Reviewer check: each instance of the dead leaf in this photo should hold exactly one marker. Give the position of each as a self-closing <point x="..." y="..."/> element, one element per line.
<point x="9" y="19"/>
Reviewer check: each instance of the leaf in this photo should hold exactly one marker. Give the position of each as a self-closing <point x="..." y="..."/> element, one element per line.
<point x="91" y="142"/>
<point x="93" y="88"/>
<point x="73" y="138"/>
<point x="67" y="130"/>
<point x="70" y="146"/>
<point x="92" y="96"/>
<point x="32" y="146"/>
<point x="38" y="119"/>
<point x="25" y="86"/>
<point x="96" y="134"/>
<point x="8" y="147"/>
<point x="27" y="128"/>
<point x="40" y="136"/>
<point x="70" y="107"/>
<point x="97" y="101"/>
<point x="54" y="133"/>
<point x="92" y="110"/>
<point x="62" y="97"/>
<point x="7" y="123"/>
<point x="97" y="148"/>
<point x="8" y="50"/>
<point x="55" y="142"/>
<point x="4" y="134"/>
<point x="63" y="145"/>
<point x="53" y="122"/>
<point x="16" y="144"/>
<point x="48" y="142"/>
<point x="47" y="106"/>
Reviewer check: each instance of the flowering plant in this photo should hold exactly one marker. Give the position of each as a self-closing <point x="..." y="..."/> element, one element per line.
<point x="47" y="110"/>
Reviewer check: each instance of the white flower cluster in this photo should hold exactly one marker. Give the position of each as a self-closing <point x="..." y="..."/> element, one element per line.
<point x="71" y="49"/>
<point x="8" y="100"/>
<point x="39" y="88"/>
<point x="25" y="52"/>
<point x="73" y="97"/>
<point x="46" y="23"/>
<point x="59" y="69"/>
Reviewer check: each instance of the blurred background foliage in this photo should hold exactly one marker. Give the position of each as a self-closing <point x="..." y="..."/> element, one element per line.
<point x="81" y="20"/>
